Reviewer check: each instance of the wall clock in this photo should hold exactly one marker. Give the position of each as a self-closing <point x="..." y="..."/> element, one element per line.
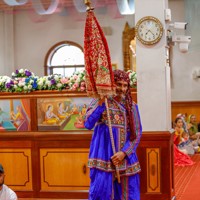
<point x="149" y="30"/>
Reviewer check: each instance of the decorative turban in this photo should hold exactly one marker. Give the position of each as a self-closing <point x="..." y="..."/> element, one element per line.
<point x="120" y="75"/>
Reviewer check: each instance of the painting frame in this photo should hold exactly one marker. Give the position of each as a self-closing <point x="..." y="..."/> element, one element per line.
<point x="71" y="119"/>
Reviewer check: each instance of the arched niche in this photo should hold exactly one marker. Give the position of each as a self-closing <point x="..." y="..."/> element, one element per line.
<point x="128" y="37"/>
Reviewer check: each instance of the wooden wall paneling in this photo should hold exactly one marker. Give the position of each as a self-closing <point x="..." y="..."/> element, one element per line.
<point x="64" y="169"/>
<point x="187" y="108"/>
<point x="153" y="170"/>
<point x="49" y="149"/>
<point x="33" y="104"/>
<point x="12" y="143"/>
<point x="155" y="156"/>
<point x="64" y="144"/>
<point x="18" y="168"/>
<point x="36" y="168"/>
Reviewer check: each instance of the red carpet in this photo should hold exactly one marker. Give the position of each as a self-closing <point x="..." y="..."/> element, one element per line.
<point x="187" y="181"/>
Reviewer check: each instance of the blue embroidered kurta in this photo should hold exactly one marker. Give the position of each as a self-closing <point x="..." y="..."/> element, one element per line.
<point x="100" y="147"/>
<point x="103" y="186"/>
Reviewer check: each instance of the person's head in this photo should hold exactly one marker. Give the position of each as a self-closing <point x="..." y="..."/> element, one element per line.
<point x="61" y="105"/>
<point x="2" y="175"/>
<point x="18" y="108"/>
<point x="192" y="119"/>
<point x="184" y="135"/>
<point x="122" y="82"/>
<point x="180" y="115"/>
<point x="50" y="107"/>
<point x="179" y="122"/>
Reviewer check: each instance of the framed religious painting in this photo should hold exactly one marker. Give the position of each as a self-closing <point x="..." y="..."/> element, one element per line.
<point x="15" y="115"/>
<point x="61" y="114"/>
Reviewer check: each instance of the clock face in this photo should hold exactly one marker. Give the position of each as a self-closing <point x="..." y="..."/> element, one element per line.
<point x="149" y="30"/>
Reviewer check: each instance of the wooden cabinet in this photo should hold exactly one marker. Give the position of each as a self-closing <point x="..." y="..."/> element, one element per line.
<point x="64" y="169"/>
<point x="52" y="163"/>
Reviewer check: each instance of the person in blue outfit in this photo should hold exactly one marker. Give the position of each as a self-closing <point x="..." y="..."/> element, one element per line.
<point x="127" y="130"/>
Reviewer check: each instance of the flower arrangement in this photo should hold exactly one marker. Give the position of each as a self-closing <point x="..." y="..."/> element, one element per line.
<point x="77" y="81"/>
<point x="53" y="82"/>
<point x="6" y="84"/>
<point x="24" y="80"/>
<point x="133" y="78"/>
<point x="22" y="73"/>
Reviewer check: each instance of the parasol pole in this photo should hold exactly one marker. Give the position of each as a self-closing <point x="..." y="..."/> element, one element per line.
<point x="111" y="138"/>
<point x="89" y="8"/>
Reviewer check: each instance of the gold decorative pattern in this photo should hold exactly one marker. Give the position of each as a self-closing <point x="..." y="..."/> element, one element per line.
<point x="128" y="35"/>
<point x="153" y="170"/>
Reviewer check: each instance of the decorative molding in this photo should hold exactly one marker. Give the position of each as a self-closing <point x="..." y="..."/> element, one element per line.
<point x="128" y="35"/>
<point x="153" y="170"/>
<point x="185" y="103"/>
<point x="20" y="158"/>
<point x="70" y="158"/>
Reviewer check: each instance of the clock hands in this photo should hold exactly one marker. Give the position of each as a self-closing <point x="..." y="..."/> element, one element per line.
<point x="150" y="32"/>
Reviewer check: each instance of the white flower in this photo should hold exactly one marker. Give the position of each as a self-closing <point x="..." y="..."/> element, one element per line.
<point x="78" y="79"/>
<point x="29" y="87"/>
<point x="56" y="77"/>
<point x="20" y="84"/>
<point x="40" y="83"/>
<point x="48" y="83"/>
<point x="59" y="85"/>
<point x="25" y="87"/>
<point x="8" y="80"/>
<point x="21" y="71"/>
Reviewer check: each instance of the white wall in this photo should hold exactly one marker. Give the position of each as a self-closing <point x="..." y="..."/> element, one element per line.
<point x="153" y="72"/>
<point x="1" y="45"/>
<point x="184" y="87"/>
<point x="33" y="40"/>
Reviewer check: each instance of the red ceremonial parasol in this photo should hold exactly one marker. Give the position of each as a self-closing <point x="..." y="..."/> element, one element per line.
<point x="99" y="75"/>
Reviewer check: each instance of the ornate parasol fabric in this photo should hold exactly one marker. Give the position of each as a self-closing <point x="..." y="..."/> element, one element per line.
<point x="99" y="75"/>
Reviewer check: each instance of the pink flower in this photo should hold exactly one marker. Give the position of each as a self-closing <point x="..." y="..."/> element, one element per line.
<point x="76" y="85"/>
<point x="82" y="88"/>
<point x="83" y="84"/>
<point x="75" y="77"/>
<point x="64" y="80"/>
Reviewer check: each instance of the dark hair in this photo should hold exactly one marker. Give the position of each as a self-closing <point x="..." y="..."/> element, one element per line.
<point x="176" y="120"/>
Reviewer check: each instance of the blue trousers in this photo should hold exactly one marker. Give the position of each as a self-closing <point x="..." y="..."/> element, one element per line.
<point x="104" y="187"/>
